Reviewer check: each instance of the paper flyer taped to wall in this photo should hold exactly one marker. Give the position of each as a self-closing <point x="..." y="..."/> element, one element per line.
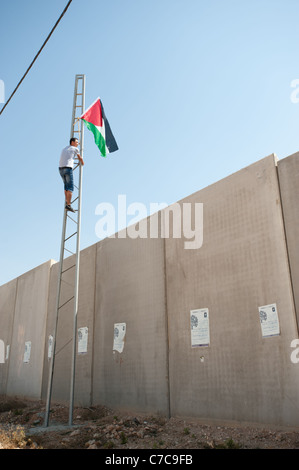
<point x="200" y="327"/>
<point x="82" y="340"/>
<point x="50" y="346"/>
<point x="119" y="337"/>
<point x="269" y="320"/>
<point x="7" y="352"/>
<point x="27" y="352"/>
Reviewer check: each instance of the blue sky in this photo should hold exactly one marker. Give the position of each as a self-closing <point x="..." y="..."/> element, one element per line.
<point x="194" y="91"/>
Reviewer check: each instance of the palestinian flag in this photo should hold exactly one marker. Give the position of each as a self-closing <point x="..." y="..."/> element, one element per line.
<point x="95" y="119"/>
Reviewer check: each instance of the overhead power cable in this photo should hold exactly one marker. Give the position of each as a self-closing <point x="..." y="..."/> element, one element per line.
<point x="54" y="27"/>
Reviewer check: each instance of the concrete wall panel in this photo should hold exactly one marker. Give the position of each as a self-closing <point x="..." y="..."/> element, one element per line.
<point x="288" y="171"/>
<point x="30" y="316"/>
<point x="130" y="289"/>
<point x="64" y="345"/>
<point x="241" y="266"/>
<point x="7" y="309"/>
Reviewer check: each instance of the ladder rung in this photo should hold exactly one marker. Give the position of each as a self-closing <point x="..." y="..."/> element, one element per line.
<point x="75" y="199"/>
<point x="56" y="353"/>
<point x="70" y="237"/>
<point x="65" y="282"/>
<point x="67" y="269"/>
<point x="66" y="302"/>
<point x="66" y="249"/>
<point x="72" y="219"/>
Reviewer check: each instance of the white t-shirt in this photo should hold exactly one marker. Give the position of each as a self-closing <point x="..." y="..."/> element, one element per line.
<point x="67" y="156"/>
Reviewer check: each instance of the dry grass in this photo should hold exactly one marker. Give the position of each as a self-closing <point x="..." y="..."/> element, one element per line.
<point x="15" y="438"/>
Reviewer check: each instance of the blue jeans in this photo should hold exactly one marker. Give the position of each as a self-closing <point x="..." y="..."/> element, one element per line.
<point x="66" y="174"/>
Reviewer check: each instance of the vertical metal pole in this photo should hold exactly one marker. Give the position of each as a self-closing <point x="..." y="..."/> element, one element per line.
<point x="50" y="380"/>
<point x="74" y="107"/>
<point x="76" y="287"/>
<point x="76" y="295"/>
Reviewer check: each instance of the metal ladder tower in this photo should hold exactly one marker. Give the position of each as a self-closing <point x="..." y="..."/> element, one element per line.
<point x="77" y="130"/>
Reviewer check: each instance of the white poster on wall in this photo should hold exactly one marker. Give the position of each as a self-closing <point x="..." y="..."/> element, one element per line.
<point x="82" y="340"/>
<point x="119" y="337"/>
<point x="2" y="351"/>
<point x="27" y="352"/>
<point x="7" y="352"/>
<point x="269" y="320"/>
<point x="200" y="327"/>
<point x="50" y="346"/>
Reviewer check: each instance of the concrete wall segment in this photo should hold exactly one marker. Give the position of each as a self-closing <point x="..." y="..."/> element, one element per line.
<point x="8" y="294"/>
<point x="130" y="289"/>
<point x="30" y="315"/>
<point x="288" y="172"/>
<point x="64" y="348"/>
<point x="242" y="265"/>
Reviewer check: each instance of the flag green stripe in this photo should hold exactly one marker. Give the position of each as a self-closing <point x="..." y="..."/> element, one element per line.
<point x="98" y="138"/>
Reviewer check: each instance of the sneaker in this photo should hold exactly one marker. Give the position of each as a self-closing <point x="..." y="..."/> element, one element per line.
<point x="69" y="208"/>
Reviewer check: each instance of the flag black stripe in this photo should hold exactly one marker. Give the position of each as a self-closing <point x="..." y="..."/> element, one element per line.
<point x="110" y="140"/>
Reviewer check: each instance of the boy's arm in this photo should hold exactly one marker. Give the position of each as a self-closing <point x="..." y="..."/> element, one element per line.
<point x="80" y="159"/>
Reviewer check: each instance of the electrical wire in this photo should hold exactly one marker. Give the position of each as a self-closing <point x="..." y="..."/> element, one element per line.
<point x="45" y="42"/>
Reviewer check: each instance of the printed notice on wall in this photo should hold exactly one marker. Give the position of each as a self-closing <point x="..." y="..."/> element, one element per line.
<point x="27" y="352"/>
<point x="82" y="340"/>
<point x="50" y="346"/>
<point x="269" y="320"/>
<point x="7" y="352"/>
<point x="2" y="350"/>
<point x="119" y="337"/>
<point x="200" y="327"/>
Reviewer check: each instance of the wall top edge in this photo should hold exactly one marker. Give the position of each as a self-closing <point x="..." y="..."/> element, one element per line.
<point x="272" y="156"/>
<point x="50" y="262"/>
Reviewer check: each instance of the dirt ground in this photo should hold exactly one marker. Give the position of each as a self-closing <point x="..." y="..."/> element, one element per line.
<point x="22" y="427"/>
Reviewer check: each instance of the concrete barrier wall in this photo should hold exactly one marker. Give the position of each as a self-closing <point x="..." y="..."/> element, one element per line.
<point x="130" y="291"/>
<point x="64" y="342"/>
<point x="8" y="294"/>
<point x="28" y="311"/>
<point x="288" y="172"/>
<point x="121" y="281"/>
<point x="241" y="266"/>
<point x="135" y="299"/>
